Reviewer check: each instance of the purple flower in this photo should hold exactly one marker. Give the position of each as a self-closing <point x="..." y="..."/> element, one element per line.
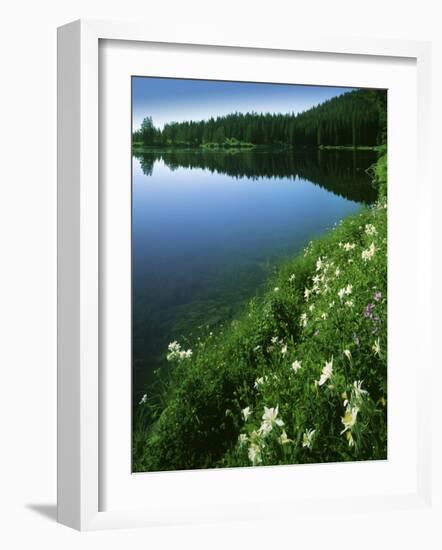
<point x="377" y="296"/>
<point x="368" y="311"/>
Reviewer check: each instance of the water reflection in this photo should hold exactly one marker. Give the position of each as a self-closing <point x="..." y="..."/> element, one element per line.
<point x="341" y="171"/>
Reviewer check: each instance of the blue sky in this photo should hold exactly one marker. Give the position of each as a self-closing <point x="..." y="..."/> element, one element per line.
<point x="170" y="99"/>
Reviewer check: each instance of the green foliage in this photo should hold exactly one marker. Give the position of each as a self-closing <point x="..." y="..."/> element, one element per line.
<point x="301" y="377"/>
<point x="354" y="119"/>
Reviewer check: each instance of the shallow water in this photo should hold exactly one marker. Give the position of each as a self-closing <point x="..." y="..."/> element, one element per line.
<point x="209" y="227"/>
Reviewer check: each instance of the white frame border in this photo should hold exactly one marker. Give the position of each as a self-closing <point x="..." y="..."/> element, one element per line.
<point x="78" y="261"/>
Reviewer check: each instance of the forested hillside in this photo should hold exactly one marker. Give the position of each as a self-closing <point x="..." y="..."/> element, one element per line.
<point x="354" y="119"/>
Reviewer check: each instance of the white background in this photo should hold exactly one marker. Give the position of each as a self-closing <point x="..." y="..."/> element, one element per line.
<point x="28" y="276"/>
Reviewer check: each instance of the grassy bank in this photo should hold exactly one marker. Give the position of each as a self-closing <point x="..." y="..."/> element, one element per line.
<point x="299" y="378"/>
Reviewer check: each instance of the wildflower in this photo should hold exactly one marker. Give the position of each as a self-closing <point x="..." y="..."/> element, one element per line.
<point x="143" y="400"/>
<point x="348" y="289"/>
<point x="319" y="264"/>
<point x="337" y="272"/>
<point x="265" y="429"/>
<point x="242" y="439"/>
<point x="275" y="340"/>
<point x="307" y="293"/>
<point x="311" y="307"/>
<point x="327" y="372"/>
<point x="284" y="349"/>
<point x="357" y="390"/>
<point x="368" y="311"/>
<point x="246" y="413"/>
<point x="348" y="246"/>
<point x="303" y="320"/>
<point x="347" y="354"/>
<point x="370" y="230"/>
<point x="283" y="439"/>
<point x="349" y="303"/>
<point x="186" y="354"/>
<point x="369" y="252"/>
<point x="176" y="353"/>
<point x="307" y="438"/>
<point x="254" y="454"/>
<point x="324" y="316"/>
<point x="349" y="418"/>
<point x="276" y="289"/>
<point x="270" y="416"/>
<point x="376" y="347"/>
<point x="296" y="365"/>
<point x="341" y="293"/>
<point x="292" y="277"/>
<point x="259" y="382"/>
<point x="317" y="279"/>
<point x="377" y="296"/>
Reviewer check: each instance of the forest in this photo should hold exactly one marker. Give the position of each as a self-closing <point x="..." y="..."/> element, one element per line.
<point x="354" y="119"/>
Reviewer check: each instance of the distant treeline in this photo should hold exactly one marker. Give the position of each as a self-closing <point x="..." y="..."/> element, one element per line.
<point x="354" y="119"/>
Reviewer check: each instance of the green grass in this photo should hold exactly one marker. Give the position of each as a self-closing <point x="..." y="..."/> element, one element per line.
<point x="326" y="306"/>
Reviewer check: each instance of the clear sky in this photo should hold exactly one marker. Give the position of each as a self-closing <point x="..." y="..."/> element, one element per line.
<point x="176" y="100"/>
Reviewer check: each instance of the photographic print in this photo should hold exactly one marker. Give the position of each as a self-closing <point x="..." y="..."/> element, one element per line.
<point x="259" y="274"/>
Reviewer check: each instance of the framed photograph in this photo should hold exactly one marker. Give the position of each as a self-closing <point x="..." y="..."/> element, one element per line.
<point x="238" y="316"/>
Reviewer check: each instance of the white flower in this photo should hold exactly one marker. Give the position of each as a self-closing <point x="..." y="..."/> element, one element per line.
<point x="276" y="289"/>
<point x="283" y="439"/>
<point x="337" y="272"/>
<point x="347" y="354"/>
<point x="349" y="303"/>
<point x="376" y="347"/>
<point x="369" y="253"/>
<point x="324" y="315"/>
<point x="348" y="246"/>
<point x="143" y="400"/>
<point x="319" y="264"/>
<point x="242" y="439"/>
<point x="296" y="365"/>
<point x="349" y="418"/>
<point x="311" y="307"/>
<point x="370" y="229"/>
<point x="275" y="340"/>
<point x="307" y="438"/>
<point x="255" y="454"/>
<point x="284" y="349"/>
<point x="341" y="293"/>
<point x="246" y="413"/>
<point x="358" y="392"/>
<point x="265" y="429"/>
<point x="176" y="353"/>
<point x="292" y="277"/>
<point x="307" y="293"/>
<point x="327" y="372"/>
<point x="303" y="320"/>
<point x="348" y="289"/>
<point x="270" y="416"/>
<point x="259" y="382"/>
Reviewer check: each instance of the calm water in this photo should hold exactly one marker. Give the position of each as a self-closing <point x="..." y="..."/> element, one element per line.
<point x="210" y="227"/>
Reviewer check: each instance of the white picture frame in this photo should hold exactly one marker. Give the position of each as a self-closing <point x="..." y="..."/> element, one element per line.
<point x="79" y="275"/>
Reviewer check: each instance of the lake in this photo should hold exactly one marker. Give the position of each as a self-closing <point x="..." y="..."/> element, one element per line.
<point x="210" y="226"/>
